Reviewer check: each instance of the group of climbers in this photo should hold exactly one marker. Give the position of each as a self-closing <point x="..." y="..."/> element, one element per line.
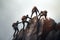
<point x="15" y="25"/>
<point x="24" y="19"/>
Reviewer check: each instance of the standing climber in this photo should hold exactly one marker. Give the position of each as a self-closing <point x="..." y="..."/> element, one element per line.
<point x="34" y="10"/>
<point x="24" y="19"/>
<point x="15" y="26"/>
<point x="43" y="13"/>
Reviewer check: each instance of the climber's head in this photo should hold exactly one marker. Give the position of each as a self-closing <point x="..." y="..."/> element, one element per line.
<point x="26" y="15"/>
<point x="45" y="11"/>
<point x="17" y="22"/>
<point x="34" y="7"/>
<point x="41" y="11"/>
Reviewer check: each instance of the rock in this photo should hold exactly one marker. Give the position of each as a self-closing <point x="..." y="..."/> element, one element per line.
<point x="36" y="29"/>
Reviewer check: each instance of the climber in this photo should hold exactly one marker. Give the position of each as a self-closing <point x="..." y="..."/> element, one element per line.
<point x="43" y="13"/>
<point x="24" y="19"/>
<point x="15" y="27"/>
<point x="34" y="10"/>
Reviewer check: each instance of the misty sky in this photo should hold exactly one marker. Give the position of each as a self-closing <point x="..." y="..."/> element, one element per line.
<point x="13" y="10"/>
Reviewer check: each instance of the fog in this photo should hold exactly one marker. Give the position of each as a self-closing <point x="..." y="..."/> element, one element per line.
<point x="13" y="10"/>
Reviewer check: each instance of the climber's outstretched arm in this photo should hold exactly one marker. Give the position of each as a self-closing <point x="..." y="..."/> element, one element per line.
<point x="19" y="22"/>
<point x="29" y="18"/>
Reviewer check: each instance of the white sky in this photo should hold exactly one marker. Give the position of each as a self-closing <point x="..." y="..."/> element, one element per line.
<point x="24" y="7"/>
<point x="13" y="10"/>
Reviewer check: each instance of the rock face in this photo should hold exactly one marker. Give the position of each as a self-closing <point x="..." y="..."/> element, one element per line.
<point x="38" y="29"/>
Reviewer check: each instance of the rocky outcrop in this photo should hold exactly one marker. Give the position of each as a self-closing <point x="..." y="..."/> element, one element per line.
<point x="38" y="29"/>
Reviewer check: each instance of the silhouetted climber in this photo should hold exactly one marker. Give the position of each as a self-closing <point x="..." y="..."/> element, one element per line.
<point x="15" y="26"/>
<point x="24" y="20"/>
<point x="34" y="10"/>
<point x="43" y="13"/>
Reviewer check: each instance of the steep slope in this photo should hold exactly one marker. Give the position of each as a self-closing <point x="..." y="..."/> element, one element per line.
<point x="36" y="29"/>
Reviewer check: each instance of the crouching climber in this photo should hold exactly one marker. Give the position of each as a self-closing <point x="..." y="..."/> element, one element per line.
<point x="43" y="13"/>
